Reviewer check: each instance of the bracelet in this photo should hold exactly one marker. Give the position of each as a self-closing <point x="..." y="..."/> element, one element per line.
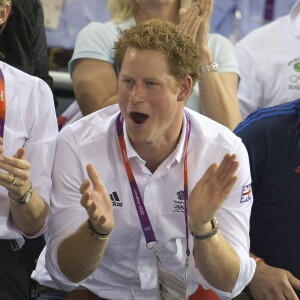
<point x="95" y="234"/>
<point x="215" y="228"/>
<point x="211" y="67"/>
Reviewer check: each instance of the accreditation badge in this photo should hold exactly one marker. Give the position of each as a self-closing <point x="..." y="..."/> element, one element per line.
<point x="52" y="12"/>
<point x="170" y="287"/>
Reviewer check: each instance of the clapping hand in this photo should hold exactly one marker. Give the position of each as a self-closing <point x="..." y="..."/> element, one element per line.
<point x="16" y="176"/>
<point x="195" y="21"/>
<point x="97" y="202"/>
<point x="211" y="191"/>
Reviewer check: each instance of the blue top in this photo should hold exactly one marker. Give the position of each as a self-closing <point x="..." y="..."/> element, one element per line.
<point x="272" y="138"/>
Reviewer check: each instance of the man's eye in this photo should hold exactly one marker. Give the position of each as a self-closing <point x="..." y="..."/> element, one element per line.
<point x="151" y="83"/>
<point x="128" y="81"/>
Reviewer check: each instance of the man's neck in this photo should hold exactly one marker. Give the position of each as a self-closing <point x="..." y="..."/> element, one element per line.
<point x="155" y="154"/>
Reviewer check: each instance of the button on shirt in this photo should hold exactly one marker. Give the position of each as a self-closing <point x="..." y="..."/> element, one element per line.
<point x="128" y="268"/>
<point x="30" y="122"/>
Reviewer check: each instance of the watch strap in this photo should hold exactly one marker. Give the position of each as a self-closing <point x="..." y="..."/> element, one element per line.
<point x="24" y="199"/>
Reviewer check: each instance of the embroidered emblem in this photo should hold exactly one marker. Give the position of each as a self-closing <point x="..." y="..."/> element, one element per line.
<point x="178" y="205"/>
<point x="297" y="170"/>
<point x="246" y="193"/>
<point x="297" y="67"/>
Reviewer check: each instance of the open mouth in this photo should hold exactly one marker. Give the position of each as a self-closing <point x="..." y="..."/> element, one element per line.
<point x="138" y="118"/>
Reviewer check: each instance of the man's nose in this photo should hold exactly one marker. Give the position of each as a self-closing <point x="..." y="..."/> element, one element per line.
<point x="137" y="94"/>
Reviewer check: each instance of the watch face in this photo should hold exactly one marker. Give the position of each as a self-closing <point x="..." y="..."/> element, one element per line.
<point x="213" y="66"/>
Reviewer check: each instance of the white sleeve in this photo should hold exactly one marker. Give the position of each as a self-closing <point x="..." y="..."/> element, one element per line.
<point x="66" y="214"/>
<point x="223" y="53"/>
<point x="95" y="41"/>
<point x="40" y="144"/>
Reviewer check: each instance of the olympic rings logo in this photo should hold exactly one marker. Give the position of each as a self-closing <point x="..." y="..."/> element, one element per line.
<point x="179" y="207"/>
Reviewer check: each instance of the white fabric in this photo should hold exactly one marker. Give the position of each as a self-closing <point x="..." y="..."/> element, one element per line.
<point x="268" y="58"/>
<point x="96" y="41"/>
<point x="30" y="122"/>
<point x="127" y="270"/>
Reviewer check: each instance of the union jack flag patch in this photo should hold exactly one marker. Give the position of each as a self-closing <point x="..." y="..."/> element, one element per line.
<point x="246" y="193"/>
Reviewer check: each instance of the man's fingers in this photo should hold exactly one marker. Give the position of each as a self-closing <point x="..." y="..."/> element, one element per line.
<point x="94" y="177"/>
<point x="295" y="283"/>
<point x="209" y="172"/>
<point x="84" y="186"/>
<point x="289" y="294"/>
<point x="227" y="168"/>
<point x="229" y="186"/>
<point x="20" y="153"/>
<point x="90" y="205"/>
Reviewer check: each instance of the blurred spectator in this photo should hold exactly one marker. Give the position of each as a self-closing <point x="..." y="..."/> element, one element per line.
<point x="23" y="42"/>
<point x="269" y="60"/>
<point x="23" y="45"/>
<point x="63" y="21"/>
<point x="272" y="138"/>
<point x="27" y="143"/>
<point x="236" y="18"/>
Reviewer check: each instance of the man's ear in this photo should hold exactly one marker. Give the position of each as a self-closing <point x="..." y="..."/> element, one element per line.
<point x="4" y="13"/>
<point x="185" y="87"/>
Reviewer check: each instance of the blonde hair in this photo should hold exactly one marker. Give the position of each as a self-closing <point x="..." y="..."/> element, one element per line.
<point x="4" y="2"/>
<point x="122" y="10"/>
<point x="181" y="51"/>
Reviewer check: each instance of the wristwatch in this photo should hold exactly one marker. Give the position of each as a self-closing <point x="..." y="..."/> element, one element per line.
<point x="215" y="228"/>
<point x="24" y="199"/>
<point x="212" y="67"/>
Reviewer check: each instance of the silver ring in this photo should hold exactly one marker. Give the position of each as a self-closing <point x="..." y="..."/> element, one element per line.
<point x="13" y="182"/>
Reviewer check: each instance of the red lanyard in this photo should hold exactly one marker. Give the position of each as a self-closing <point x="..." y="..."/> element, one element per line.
<point x="139" y="204"/>
<point x="2" y="104"/>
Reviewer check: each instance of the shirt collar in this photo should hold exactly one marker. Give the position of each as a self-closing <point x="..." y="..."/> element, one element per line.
<point x="175" y="156"/>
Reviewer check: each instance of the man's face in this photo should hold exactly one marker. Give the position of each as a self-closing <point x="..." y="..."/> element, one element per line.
<point x="150" y="99"/>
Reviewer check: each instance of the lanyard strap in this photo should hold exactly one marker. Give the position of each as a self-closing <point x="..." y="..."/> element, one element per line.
<point x="2" y="104"/>
<point x="139" y="204"/>
<point x="269" y="10"/>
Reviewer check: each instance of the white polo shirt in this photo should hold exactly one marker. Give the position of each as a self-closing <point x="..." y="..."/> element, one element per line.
<point x="269" y="61"/>
<point x="128" y="268"/>
<point x="30" y="122"/>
